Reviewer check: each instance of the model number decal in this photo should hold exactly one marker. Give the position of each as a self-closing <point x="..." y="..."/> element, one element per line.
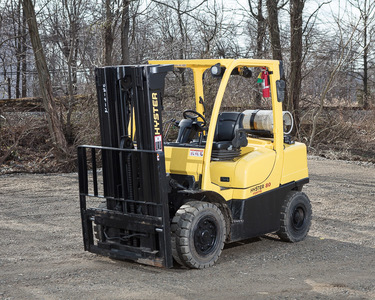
<point x="105" y="101"/>
<point x="196" y="152"/>
<point x="258" y="189"/>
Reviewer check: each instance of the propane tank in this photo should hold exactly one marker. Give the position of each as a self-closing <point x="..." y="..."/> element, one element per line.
<point x="263" y="120"/>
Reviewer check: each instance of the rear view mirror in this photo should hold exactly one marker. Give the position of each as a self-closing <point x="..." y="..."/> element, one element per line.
<point x="280" y="86"/>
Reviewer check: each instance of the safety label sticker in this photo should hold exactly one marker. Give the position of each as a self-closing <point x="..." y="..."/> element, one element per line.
<point x="158" y="143"/>
<point x="196" y="152"/>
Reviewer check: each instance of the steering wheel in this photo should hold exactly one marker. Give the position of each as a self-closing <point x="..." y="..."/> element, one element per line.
<point x="186" y="115"/>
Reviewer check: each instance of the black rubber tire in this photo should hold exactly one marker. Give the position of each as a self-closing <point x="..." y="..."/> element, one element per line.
<point x="198" y="234"/>
<point x="98" y="228"/>
<point x="295" y="217"/>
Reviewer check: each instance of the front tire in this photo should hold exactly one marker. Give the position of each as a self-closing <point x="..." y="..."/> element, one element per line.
<point x="295" y="217"/>
<point x="198" y="234"/>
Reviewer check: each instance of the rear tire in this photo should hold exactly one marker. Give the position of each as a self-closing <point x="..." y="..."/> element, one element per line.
<point x="198" y="234"/>
<point x="295" y="217"/>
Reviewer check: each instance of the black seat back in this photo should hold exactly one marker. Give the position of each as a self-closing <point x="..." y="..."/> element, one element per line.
<point x="229" y="132"/>
<point x="227" y="122"/>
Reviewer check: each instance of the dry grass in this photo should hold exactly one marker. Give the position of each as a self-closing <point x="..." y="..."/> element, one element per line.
<point x="26" y="145"/>
<point x="343" y="133"/>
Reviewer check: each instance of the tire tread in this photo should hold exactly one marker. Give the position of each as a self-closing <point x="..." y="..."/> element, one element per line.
<point x="285" y="233"/>
<point x="180" y="229"/>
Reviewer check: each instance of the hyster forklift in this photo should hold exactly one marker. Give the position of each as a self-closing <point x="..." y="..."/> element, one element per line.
<point x="235" y="176"/>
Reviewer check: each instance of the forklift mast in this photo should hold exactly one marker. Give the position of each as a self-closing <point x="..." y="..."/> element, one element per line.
<point x="135" y="222"/>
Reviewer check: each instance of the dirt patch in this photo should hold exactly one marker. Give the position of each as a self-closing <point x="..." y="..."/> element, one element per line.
<point x="42" y="257"/>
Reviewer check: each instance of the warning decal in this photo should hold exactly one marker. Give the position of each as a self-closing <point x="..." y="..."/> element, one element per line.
<point x="196" y="152"/>
<point x="158" y="143"/>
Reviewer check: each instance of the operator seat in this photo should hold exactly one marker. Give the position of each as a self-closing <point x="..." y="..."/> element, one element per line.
<point x="229" y="137"/>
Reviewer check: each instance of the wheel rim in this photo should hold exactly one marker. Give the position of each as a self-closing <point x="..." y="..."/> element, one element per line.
<point x="298" y="217"/>
<point x="205" y="236"/>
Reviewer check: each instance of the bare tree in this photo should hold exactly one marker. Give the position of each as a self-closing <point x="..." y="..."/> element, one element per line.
<point x="18" y="43"/>
<point x="295" y="76"/>
<point x="182" y="10"/>
<point x="209" y="24"/>
<point x="125" y="28"/>
<point x="366" y="9"/>
<point x="23" y="56"/>
<point x="273" y="7"/>
<point x="274" y="29"/>
<point x="117" y="18"/>
<point x="54" y="122"/>
<point x="108" y="31"/>
<point x="345" y="45"/>
<point x="68" y="43"/>
<point x="15" y="48"/>
<point x="256" y="12"/>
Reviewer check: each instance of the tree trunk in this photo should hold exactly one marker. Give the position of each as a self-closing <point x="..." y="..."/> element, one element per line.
<point x="295" y="77"/>
<point x="125" y="26"/>
<point x="365" y="59"/>
<point x="261" y="30"/>
<point x="108" y="34"/>
<point x="54" y="122"/>
<point x="261" y="33"/>
<point x="9" y="82"/>
<point x="273" y="25"/>
<point x="23" y="58"/>
<point x="366" y="9"/>
<point x="71" y="58"/>
<point x="182" y="44"/>
<point x="18" y="42"/>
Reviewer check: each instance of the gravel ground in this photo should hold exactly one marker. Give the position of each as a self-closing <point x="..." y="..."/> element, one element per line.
<point x="42" y="257"/>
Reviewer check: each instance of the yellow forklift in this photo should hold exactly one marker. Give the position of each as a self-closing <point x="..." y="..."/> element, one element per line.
<point x="235" y="176"/>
